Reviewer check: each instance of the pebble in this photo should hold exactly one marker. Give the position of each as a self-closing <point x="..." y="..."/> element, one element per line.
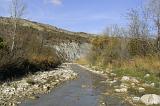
<point x="125" y="78"/>
<point x="122" y="90"/>
<point x="133" y="84"/>
<point x="134" y="80"/>
<point x="113" y="74"/>
<point x="123" y="85"/>
<point x="147" y="75"/>
<point x="152" y="84"/>
<point x="141" y="89"/>
<point x="136" y="99"/>
<point x="111" y="82"/>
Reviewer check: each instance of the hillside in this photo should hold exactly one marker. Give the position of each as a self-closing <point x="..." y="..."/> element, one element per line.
<point x="49" y="33"/>
<point x="37" y="47"/>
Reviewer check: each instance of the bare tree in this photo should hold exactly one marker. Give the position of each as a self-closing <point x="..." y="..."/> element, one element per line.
<point x="115" y="31"/>
<point x="17" y="10"/>
<point x="153" y="8"/>
<point x="138" y="26"/>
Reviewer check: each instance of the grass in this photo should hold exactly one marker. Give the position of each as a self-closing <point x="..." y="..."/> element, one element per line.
<point x="137" y="67"/>
<point x="149" y="63"/>
<point x="140" y="66"/>
<point x="138" y="73"/>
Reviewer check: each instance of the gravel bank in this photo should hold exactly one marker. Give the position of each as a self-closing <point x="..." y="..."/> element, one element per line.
<point x="11" y="93"/>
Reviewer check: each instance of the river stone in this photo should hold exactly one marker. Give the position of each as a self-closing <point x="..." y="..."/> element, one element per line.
<point x="134" y="80"/>
<point x="150" y="99"/>
<point x="152" y="84"/>
<point x="136" y="99"/>
<point x="113" y="74"/>
<point x="147" y="75"/>
<point x="111" y="82"/>
<point x="125" y="78"/>
<point x="146" y="85"/>
<point x="124" y="85"/>
<point x="133" y="84"/>
<point x="122" y="90"/>
<point x="141" y="89"/>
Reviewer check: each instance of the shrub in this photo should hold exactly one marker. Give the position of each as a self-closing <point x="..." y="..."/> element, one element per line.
<point x="139" y="46"/>
<point x="105" y="50"/>
<point x="1" y="43"/>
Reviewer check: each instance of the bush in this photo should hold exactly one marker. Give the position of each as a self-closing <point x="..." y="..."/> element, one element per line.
<point x="29" y="55"/>
<point x="105" y="50"/>
<point x="115" y="50"/>
<point x="1" y="43"/>
<point x="16" y="67"/>
<point x="140" y="47"/>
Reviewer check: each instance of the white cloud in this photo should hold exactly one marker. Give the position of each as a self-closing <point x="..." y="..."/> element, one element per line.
<point x="56" y="2"/>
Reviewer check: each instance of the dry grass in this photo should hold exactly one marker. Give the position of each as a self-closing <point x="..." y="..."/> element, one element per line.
<point x="82" y="61"/>
<point x="42" y="58"/>
<point x="149" y="63"/>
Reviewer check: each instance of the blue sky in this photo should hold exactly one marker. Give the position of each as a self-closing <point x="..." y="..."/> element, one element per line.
<point x="77" y="15"/>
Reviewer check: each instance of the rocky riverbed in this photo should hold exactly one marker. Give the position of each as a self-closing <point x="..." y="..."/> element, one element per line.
<point x="12" y="93"/>
<point x="86" y="90"/>
<point x="131" y="89"/>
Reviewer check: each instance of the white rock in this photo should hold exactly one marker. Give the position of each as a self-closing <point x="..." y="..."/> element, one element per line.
<point x="114" y="81"/>
<point x="19" y="89"/>
<point x="108" y="70"/>
<point x="152" y="84"/>
<point x="146" y="85"/>
<point x="22" y="85"/>
<point x="123" y="85"/>
<point x="36" y="86"/>
<point x="136" y="99"/>
<point x="122" y="90"/>
<point x="9" y="91"/>
<point x="113" y="74"/>
<point x="147" y="75"/>
<point x="150" y="99"/>
<point x="133" y="84"/>
<point x="141" y="89"/>
<point x="46" y="87"/>
<point x="134" y="80"/>
<point x="116" y="86"/>
<point x="125" y="78"/>
<point x="103" y="81"/>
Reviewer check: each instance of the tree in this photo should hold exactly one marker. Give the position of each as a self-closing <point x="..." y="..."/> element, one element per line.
<point x="115" y="31"/>
<point x="17" y="10"/>
<point x="138" y="26"/>
<point x="153" y="7"/>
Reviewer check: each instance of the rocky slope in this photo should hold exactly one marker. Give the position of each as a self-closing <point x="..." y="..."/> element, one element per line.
<point x="72" y="50"/>
<point x="70" y="44"/>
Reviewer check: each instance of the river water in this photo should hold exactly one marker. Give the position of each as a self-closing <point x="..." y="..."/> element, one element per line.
<point x="86" y="90"/>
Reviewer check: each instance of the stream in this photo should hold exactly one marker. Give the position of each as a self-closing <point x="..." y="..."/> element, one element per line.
<point x="86" y="90"/>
